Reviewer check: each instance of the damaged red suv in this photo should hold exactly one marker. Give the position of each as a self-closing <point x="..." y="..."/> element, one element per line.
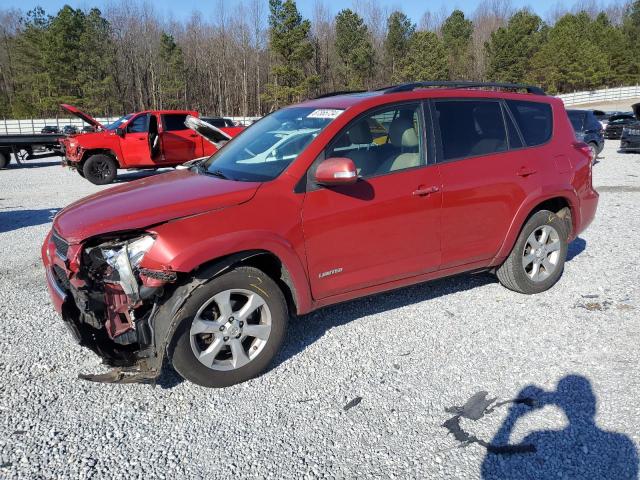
<point x="318" y="203"/>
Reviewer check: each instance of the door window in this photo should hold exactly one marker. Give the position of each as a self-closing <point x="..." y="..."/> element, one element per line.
<point x="469" y="128"/>
<point x="534" y="119"/>
<point x="138" y="125"/>
<point x="174" y="122"/>
<point x="383" y="141"/>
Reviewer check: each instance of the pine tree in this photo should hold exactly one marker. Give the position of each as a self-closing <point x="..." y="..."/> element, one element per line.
<point x="426" y="59"/>
<point x="456" y="35"/>
<point x="172" y="73"/>
<point x="511" y="47"/>
<point x="291" y="47"/>
<point x="354" y="50"/>
<point x="396" y="44"/>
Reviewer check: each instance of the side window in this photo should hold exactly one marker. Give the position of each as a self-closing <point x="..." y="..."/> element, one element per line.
<point x="138" y="124"/>
<point x="382" y="142"/>
<point x="470" y="127"/>
<point x="534" y="119"/>
<point x="174" y="121"/>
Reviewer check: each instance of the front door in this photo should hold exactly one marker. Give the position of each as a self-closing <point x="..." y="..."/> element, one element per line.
<point x="135" y="142"/>
<point x="179" y="143"/>
<point x="387" y="225"/>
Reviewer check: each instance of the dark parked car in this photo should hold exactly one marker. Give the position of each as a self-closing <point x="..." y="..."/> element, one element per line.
<point x="322" y="202"/>
<point x="70" y="130"/>
<point x="50" y="129"/>
<point x="630" y="139"/>
<point x="588" y="129"/>
<point x="613" y="130"/>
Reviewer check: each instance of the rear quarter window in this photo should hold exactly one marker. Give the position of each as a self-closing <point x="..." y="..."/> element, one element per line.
<point x="534" y="119"/>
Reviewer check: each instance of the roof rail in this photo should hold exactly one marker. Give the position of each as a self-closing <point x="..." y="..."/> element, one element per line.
<point x="339" y="92"/>
<point x="407" y="87"/>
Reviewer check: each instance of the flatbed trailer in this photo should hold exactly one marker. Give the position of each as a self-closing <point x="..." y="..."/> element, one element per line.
<point x="26" y="147"/>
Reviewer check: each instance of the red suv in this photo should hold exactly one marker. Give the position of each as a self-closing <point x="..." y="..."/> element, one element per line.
<point x="318" y="203"/>
<point x="149" y="140"/>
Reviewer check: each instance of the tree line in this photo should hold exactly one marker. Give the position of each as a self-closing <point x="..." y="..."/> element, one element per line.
<point x="259" y="55"/>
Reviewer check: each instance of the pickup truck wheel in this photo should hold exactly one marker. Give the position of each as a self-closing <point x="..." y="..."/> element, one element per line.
<point x="4" y="159"/>
<point x="100" y="169"/>
<point x="536" y="261"/>
<point x="232" y="328"/>
<point x="80" y="171"/>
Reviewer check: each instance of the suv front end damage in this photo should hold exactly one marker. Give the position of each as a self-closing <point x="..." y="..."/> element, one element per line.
<point x="108" y="300"/>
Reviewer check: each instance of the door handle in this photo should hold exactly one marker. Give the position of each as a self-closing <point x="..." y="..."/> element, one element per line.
<point x="525" y="172"/>
<point x="423" y="192"/>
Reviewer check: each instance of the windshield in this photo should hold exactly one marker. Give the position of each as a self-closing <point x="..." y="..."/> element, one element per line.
<point x="267" y="147"/>
<point x="118" y="122"/>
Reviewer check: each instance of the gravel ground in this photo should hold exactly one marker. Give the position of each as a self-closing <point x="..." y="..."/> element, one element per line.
<point x="402" y="361"/>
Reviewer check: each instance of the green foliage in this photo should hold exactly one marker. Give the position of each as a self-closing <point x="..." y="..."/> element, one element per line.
<point x="631" y="42"/>
<point x="510" y="48"/>
<point x="396" y="44"/>
<point x="456" y="35"/>
<point x="426" y="59"/>
<point x="290" y="44"/>
<point x="570" y="59"/>
<point x="172" y="73"/>
<point x="354" y="50"/>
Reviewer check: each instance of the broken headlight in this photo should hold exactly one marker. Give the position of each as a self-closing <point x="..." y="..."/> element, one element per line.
<point x="124" y="257"/>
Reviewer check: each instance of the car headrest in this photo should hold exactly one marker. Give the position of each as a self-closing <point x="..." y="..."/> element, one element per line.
<point x="360" y="133"/>
<point x="402" y="133"/>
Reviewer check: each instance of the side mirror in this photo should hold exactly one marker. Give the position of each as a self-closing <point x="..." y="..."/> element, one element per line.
<point x="336" y="171"/>
<point x="120" y="131"/>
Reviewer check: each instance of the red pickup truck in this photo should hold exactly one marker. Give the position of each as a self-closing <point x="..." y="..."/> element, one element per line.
<point x="149" y="139"/>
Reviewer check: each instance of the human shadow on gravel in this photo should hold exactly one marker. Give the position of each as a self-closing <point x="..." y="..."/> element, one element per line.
<point x="576" y="248"/>
<point x="15" y="219"/>
<point x="581" y="450"/>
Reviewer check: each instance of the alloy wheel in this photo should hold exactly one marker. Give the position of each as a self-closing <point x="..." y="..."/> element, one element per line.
<point x="230" y="329"/>
<point x="541" y="254"/>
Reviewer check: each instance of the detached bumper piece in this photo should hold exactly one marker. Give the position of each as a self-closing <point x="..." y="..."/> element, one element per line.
<point x="122" y="375"/>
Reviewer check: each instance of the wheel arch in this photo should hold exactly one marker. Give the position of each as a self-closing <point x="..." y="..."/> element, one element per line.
<point x="563" y="204"/>
<point x="98" y="151"/>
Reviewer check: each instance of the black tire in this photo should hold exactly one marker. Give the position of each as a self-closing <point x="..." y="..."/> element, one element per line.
<point x="100" y="169"/>
<point x="4" y="159"/>
<point x="180" y="349"/>
<point x="594" y="149"/>
<point x="80" y="171"/>
<point x="513" y="274"/>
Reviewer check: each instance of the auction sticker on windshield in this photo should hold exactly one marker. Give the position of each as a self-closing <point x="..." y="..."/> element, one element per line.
<point x="325" y="113"/>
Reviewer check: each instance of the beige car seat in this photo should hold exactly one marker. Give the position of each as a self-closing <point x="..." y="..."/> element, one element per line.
<point x="403" y="136"/>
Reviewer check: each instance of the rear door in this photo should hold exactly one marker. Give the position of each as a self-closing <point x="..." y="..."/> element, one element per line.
<point x="135" y="142"/>
<point x="486" y="176"/>
<point x="179" y="143"/>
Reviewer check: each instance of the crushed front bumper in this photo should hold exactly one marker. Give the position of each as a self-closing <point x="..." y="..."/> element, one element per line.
<point x="136" y="361"/>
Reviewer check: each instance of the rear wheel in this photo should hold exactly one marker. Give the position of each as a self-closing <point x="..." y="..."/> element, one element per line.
<point x="537" y="260"/>
<point x="100" y="169"/>
<point x="232" y="328"/>
<point x="80" y="171"/>
<point x="594" y="150"/>
<point x="4" y="159"/>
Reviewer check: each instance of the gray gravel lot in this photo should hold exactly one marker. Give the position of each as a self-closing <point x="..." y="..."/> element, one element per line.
<point x="412" y="356"/>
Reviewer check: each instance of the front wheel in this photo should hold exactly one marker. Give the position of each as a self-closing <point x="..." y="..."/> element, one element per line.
<point x="100" y="169"/>
<point x="232" y="328"/>
<point x="536" y="261"/>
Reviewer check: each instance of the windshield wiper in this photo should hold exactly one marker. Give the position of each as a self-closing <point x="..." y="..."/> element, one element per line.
<point x="219" y="174"/>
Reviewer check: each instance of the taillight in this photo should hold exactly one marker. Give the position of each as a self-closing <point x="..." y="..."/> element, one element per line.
<point x="585" y="150"/>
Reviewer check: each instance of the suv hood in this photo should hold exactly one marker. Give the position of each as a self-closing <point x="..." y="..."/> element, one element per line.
<point x="81" y="115"/>
<point x="149" y="201"/>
